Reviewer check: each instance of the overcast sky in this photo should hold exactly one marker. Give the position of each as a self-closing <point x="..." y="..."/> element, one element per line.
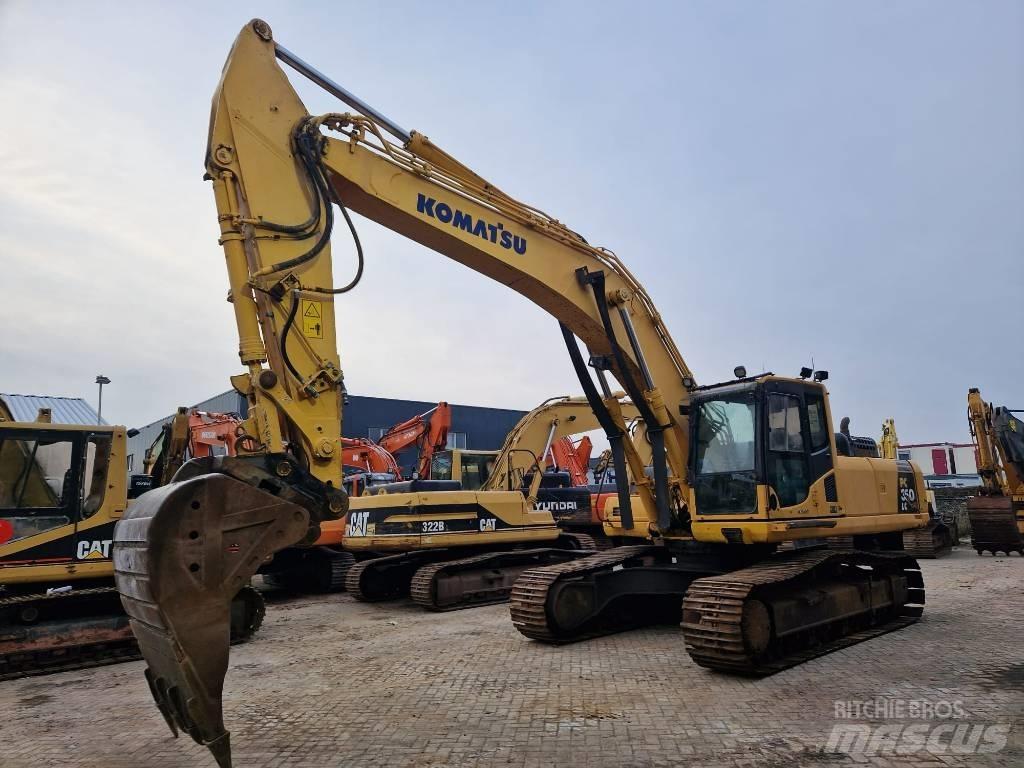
<point x="842" y="182"/>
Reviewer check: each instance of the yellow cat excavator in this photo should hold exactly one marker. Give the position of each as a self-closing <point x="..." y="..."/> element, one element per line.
<point x="735" y="468"/>
<point x="62" y="490"/>
<point x="458" y="548"/>
<point x="997" y="513"/>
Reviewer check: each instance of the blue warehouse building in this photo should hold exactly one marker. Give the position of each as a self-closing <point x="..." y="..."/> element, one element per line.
<point x="473" y="427"/>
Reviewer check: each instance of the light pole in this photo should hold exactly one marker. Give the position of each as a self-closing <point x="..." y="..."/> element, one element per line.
<point x="101" y="380"/>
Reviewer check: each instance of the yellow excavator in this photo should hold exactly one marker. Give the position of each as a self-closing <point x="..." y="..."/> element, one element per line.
<point x="63" y="487"/>
<point x="997" y="513"/>
<point x="736" y="468"/>
<point x="457" y="548"/>
<point x="938" y="537"/>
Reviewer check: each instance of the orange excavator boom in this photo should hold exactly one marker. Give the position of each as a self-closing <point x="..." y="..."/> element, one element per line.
<point x="574" y="457"/>
<point x="428" y="430"/>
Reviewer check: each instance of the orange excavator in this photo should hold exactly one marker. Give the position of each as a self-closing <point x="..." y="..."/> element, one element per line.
<point x="323" y="567"/>
<point x="574" y="458"/>
<point x="373" y="462"/>
<point x="429" y="431"/>
<point x="190" y="434"/>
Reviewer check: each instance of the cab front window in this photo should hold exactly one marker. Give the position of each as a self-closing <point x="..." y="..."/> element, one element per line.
<point x="724" y="471"/>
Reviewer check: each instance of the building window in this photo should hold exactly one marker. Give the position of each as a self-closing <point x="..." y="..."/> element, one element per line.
<point x="903" y="455"/>
<point x="457" y="440"/>
<point x="131" y="461"/>
<point x="375" y="433"/>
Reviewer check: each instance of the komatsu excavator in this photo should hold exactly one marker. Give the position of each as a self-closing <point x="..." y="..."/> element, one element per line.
<point x="939" y="536"/>
<point x="735" y="468"/>
<point x="458" y="548"/>
<point x="62" y="489"/>
<point x="997" y="513"/>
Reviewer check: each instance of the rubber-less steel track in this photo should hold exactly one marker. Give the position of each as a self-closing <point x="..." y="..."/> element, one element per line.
<point x="530" y="594"/>
<point x="579" y="541"/>
<point x="718" y="623"/>
<point x="934" y="540"/>
<point x="395" y="576"/>
<point x="320" y="573"/>
<point x="95" y="641"/>
<point x="490" y="576"/>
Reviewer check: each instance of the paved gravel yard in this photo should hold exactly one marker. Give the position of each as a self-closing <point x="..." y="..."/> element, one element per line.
<point x="332" y="682"/>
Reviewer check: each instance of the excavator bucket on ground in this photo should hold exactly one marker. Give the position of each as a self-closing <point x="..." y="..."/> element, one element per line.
<point x="994" y="525"/>
<point x="182" y="553"/>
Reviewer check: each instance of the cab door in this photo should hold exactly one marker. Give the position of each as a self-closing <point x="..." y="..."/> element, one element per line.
<point x="798" y="450"/>
<point x="40" y="482"/>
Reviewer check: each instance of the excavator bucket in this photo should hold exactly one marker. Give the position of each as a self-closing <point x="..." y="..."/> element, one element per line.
<point x="994" y="525"/>
<point x="181" y="553"/>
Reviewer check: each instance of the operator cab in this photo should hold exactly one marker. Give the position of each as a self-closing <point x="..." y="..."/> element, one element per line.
<point x="470" y="468"/>
<point x="765" y="430"/>
<point x="358" y="483"/>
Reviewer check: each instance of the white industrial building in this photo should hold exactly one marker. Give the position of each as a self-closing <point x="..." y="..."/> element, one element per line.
<point x="945" y="465"/>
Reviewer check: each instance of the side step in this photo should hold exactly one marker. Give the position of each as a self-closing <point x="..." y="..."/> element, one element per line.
<point x="788" y="609"/>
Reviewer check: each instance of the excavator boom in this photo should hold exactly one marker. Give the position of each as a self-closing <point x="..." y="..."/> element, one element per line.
<point x="429" y="431"/>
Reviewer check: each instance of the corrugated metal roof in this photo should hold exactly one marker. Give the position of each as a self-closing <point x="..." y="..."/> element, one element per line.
<point x="63" y="410"/>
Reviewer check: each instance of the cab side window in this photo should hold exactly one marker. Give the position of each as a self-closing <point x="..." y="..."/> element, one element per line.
<point x="817" y="423"/>
<point x="787" y="449"/>
<point x="784" y="433"/>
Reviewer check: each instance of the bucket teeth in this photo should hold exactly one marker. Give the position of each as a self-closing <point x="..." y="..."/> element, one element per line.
<point x="181" y="553"/>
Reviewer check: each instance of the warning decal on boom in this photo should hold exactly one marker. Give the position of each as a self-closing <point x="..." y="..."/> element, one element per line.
<point x="312" y="319"/>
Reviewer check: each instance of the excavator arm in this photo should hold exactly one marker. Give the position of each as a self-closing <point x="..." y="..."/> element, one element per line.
<point x="573" y="457"/>
<point x="530" y="440"/>
<point x="273" y="163"/>
<point x="999" y="442"/>
<point x="429" y="431"/>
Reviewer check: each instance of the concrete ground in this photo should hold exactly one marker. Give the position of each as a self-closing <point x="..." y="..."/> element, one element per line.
<point x="332" y="682"/>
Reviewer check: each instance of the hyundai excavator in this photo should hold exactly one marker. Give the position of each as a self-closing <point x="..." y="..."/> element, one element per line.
<point x="939" y="536"/>
<point x="457" y="548"/>
<point x="997" y="513"/>
<point x="62" y="489"/>
<point x="736" y="468"/>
